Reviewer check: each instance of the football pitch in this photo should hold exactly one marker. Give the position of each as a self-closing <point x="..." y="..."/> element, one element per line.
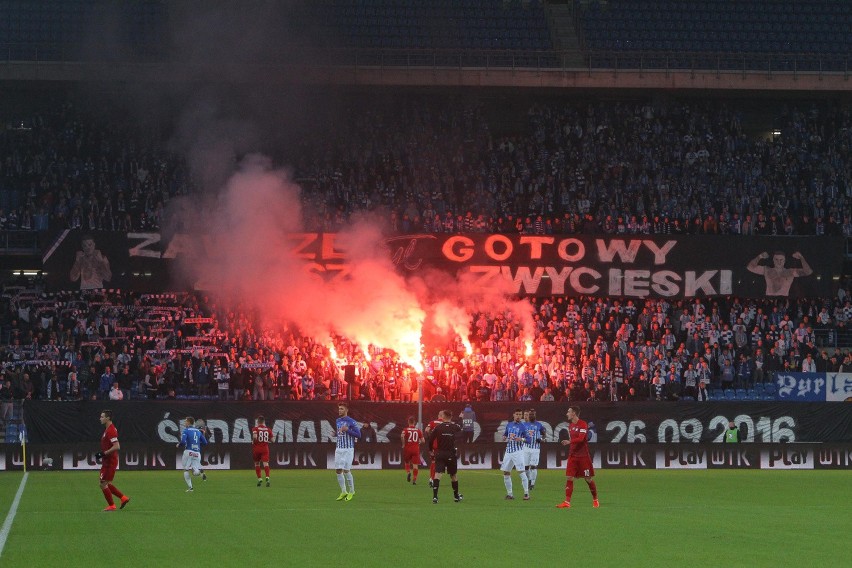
<point x="647" y="518"/>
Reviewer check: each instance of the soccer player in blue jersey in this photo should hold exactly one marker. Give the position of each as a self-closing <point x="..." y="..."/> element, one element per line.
<point x="514" y="456"/>
<point x="192" y="440"/>
<point x="533" y="436"/>
<point x="347" y="432"/>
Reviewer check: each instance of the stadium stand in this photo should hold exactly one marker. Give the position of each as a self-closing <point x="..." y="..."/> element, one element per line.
<point x="143" y="340"/>
<point x="770" y="35"/>
<point x="467" y="24"/>
<point x="815" y="26"/>
<point x="645" y="165"/>
<point x="70" y="30"/>
<point x="809" y="36"/>
<point x="706" y="176"/>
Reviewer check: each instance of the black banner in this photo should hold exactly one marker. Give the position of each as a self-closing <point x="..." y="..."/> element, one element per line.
<point x="81" y="457"/>
<point x="313" y="422"/>
<point x="635" y="266"/>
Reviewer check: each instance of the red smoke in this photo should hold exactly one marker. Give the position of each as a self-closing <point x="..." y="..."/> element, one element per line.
<point x="251" y="262"/>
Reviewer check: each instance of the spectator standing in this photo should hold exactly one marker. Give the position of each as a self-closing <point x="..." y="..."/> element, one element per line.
<point x="222" y="381"/>
<point x="203" y="379"/>
<point x="6" y="400"/>
<point x="468" y="422"/>
<point x="115" y="392"/>
<point x="106" y="382"/>
<point x="54" y="392"/>
<point x="74" y="390"/>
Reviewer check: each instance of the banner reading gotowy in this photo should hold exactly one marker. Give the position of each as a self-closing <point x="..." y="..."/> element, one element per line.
<point x="635" y="266"/>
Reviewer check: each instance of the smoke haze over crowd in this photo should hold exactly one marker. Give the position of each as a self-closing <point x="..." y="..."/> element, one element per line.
<point x="253" y="263"/>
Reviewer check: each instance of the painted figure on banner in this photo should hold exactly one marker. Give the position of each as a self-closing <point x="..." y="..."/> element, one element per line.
<point x="778" y="278"/>
<point x="90" y="267"/>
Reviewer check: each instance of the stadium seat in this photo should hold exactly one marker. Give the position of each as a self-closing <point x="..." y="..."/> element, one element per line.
<point x="730" y="394"/>
<point x="752" y="26"/>
<point x="741" y="394"/>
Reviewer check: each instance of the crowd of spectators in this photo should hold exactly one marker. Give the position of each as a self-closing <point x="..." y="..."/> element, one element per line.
<point x="442" y="164"/>
<point x="66" y="167"/>
<point x="449" y="165"/>
<point x="117" y="345"/>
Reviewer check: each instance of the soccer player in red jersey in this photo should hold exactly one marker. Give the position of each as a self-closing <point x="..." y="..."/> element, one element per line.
<point x="260" y="436"/>
<point x="412" y="437"/>
<point x="579" y="459"/>
<point x="431" y="426"/>
<point x="109" y="462"/>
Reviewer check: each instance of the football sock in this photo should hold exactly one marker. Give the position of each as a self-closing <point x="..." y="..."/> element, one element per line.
<point x="594" y="489"/>
<point x="266" y="471"/>
<point x="414" y="476"/>
<point x="533" y="474"/>
<point x="407" y="467"/>
<point x="435" y="485"/>
<point x="455" y="488"/>
<point x="507" y="481"/>
<point x="188" y="479"/>
<point x="525" y="482"/>
<point x="569" y="489"/>
<point x="257" y="471"/>
<point x="350" y="481"/>
<point x="432" y="470"/>
<point x="114" y="490"/>
<point x="341" y="481"/>
<point x="108" y="495"/>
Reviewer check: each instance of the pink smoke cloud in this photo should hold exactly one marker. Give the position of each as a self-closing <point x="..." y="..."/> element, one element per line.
<point x="251" y="260"/>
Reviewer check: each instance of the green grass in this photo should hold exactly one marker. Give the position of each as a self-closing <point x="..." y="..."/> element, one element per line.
<point x="647" y="518"/>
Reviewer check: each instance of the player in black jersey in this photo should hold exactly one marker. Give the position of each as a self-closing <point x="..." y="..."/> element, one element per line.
<point x="446" y="433"/>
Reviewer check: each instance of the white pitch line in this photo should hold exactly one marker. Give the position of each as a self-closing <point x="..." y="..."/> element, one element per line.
<point x="13" y="510"/>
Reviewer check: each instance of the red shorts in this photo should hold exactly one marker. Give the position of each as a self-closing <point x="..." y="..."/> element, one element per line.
<point x="260" y="455"/>
<point x="580" y="467"/>
<point x="411" y="455"/>
<point x="108" y="471"/>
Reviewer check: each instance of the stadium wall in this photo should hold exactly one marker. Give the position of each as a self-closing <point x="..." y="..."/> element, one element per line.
<point x="300" y="424"/>
<point x="431" y="76"/>
<point x="81" y="457"/>
<point x="643" y="435"/>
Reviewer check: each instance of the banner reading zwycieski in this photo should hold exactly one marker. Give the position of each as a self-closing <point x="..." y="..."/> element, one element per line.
<point x="636" y="266"/>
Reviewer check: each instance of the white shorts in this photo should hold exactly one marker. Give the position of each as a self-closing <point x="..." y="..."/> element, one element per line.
<point x="531" y="456"/>
<point x="515" y="459"/>
<point x="343" y="458"/>
<point x="192" y="460"/>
